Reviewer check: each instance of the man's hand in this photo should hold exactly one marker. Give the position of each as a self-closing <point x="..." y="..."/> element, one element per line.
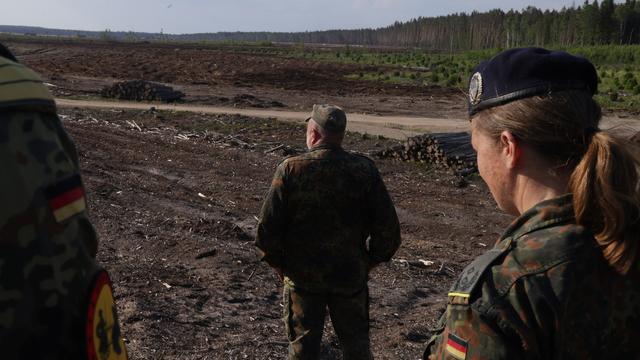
<point x="278" y="272"/>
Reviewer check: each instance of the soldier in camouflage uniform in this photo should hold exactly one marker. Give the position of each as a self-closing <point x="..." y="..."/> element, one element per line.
<point x="563" y="280"/>
<point x="321" y="209"/>
<point x="51" y="287"/>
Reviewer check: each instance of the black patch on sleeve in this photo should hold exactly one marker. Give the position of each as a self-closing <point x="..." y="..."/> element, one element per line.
<point x="63" y="186"/>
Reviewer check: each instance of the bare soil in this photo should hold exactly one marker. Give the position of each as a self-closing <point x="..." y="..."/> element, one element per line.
<point x="175" y="195"/>
<point x="215" y="76"/>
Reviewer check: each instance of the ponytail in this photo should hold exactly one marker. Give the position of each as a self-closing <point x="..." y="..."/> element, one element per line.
<point x="605" y="171"/>
<point x="606" y="198"/>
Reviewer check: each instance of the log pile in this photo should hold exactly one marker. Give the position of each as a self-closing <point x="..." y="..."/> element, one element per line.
<point x="141" y="90"/>
<point x="446" y="150"/>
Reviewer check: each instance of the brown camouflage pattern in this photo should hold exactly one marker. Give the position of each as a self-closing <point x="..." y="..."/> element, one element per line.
<point x="304" y="315"/>
<point x="321" y="208"/>
<point x="550" y="296"/>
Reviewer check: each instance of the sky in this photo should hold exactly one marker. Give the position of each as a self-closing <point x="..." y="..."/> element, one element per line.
<point x="196" y="16"/>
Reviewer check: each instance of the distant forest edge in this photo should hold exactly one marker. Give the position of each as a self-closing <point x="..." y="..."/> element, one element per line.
<point x="592" y="23"/>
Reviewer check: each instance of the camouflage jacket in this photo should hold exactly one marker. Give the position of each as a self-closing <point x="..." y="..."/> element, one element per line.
<point x="47" y="243"/>
<point x="543" y="292"/>
<point x="317" y="216"/>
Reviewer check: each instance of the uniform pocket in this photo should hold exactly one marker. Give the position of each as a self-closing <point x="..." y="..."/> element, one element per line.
<point x="286" y="312"/>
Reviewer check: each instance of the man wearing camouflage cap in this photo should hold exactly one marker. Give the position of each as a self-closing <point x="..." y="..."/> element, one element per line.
<point x="320" y="210"/>
<point x="56" y="302"/>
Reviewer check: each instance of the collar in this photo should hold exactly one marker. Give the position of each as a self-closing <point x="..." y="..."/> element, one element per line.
<point x="326" y="147"/>
<point x="544" y="214"/>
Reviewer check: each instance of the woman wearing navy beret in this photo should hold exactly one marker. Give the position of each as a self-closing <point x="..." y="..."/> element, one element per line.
<point x="563" y="280"/>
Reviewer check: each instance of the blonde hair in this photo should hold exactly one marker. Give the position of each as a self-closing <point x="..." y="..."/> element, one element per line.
<point x="563" y="128"/>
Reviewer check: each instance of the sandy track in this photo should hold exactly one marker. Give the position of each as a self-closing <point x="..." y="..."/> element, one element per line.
<point x="397" y="127"/>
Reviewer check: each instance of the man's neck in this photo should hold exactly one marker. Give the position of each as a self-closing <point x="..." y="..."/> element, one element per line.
<point x="323" y="144"/>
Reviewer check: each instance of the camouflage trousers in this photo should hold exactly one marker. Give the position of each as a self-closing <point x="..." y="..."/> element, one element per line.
<point x="304" y="315"/>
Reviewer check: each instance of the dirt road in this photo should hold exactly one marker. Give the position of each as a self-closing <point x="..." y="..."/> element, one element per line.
<point x="395" y="127"/>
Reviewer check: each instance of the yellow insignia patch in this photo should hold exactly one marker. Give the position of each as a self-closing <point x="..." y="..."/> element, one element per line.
<point x="104" y="340"/>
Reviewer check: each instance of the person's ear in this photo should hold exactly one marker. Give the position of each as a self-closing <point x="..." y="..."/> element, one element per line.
<point x="511" y="149"/>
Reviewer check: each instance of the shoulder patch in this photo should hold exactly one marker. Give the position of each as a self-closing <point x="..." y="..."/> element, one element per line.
<point x="457" y="347"/>
<point x="66" y="198"/>
<point x="471" y="275"/>
<point x="104" y="340"/>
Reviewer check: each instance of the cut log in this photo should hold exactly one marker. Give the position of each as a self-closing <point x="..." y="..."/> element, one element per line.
<point x="448" y="150"/>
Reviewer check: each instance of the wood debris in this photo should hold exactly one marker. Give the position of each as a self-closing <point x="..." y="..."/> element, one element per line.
<point x="418" y="263"/>
<point x="445" y="150"/>
<point x="141" y="90"/>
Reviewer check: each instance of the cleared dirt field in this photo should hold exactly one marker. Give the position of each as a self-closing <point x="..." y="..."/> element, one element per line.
<point x="215" y="76"/>
<point x="175" y="204"/>
<point x="175" y="195"/>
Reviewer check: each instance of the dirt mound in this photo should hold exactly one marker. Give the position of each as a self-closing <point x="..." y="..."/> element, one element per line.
<point x="141" y="90"/>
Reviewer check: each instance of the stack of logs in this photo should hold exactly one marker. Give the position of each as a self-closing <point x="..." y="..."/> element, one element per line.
<point x="141" y="90"/>
<point x="447" y="150"/>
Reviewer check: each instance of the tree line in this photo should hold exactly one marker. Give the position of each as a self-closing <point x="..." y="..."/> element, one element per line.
<point x="592" y="23"/>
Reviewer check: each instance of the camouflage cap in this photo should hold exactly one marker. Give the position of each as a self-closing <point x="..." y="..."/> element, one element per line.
<point x="329" y="117"/>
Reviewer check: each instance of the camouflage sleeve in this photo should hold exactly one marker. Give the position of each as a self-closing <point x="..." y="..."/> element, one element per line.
<point x="37" y="152"/>
<point x="464" y="333"/>
<point x="271" y="227"/>
<point x="47" y="242"/>
<point x="519" y="324"/>
<point x="385" y="227"/>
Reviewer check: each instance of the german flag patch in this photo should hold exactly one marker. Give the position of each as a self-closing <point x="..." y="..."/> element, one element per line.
<point x="66" y="198"/>
<point x="456" y="347"/>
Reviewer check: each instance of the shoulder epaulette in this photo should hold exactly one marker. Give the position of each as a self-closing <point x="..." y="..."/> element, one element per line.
<point x="471" y="275"/>
<point x="22" y="87"/>
<point x="286" y="158"/>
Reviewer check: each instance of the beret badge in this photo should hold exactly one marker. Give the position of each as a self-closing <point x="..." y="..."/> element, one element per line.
<point x="475" y="88"/>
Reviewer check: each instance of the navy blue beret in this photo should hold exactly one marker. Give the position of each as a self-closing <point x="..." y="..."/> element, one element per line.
<point x="519" y="73"/>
